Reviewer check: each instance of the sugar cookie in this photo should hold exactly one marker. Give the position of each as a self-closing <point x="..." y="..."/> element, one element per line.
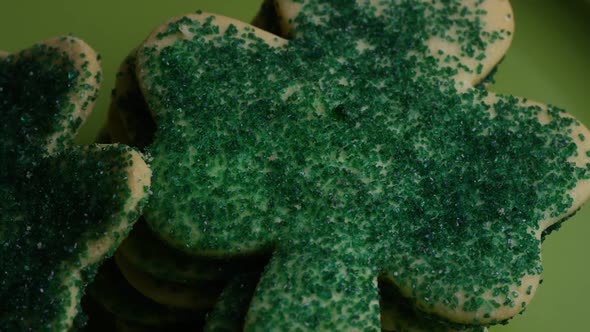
<point x="64" y="208"/>
<point x="358" y="149"/>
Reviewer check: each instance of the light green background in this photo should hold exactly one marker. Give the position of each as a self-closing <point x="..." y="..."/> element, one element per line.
<point x="549" y="61"/>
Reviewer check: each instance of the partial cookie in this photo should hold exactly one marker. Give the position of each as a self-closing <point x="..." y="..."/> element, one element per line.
<point x="129" y="120"/>
<point x="99" y="319"/>
<point x="231" y="307"/>
<point x="64" y="208"/>
<point x="114" y="294"/>
<point x="143" y="251"/>
<point x="399" y="315"/>
<point x="359" y="149"/>
<point x="197" y="296"/>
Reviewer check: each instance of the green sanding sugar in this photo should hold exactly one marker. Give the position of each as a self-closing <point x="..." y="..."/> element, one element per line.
<point x="51" y="206"/>
<point x="352" y="163"/>
<point x="40" y="81"/>
<point x="398" y="314"/>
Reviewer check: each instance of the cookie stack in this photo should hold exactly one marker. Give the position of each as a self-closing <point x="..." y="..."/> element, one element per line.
<point x="150" y="287"/>
<point x="336" y="166"/>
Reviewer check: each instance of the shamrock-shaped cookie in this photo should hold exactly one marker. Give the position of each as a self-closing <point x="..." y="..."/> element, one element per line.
<point x="358" y="149"/>
<point x="63" y="208"/>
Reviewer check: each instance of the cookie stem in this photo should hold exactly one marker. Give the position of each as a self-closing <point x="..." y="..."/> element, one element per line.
<point x="303" y="289"/>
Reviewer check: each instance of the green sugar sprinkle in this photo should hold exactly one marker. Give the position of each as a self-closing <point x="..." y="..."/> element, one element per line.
<point x="398" y="314"/>
<point x="51" y="206"/>
<point x="352" y="164"/>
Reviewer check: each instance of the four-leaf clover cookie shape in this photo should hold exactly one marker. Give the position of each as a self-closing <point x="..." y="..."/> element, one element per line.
<point x="356" y="145"/>
<point x="64" y="208"/>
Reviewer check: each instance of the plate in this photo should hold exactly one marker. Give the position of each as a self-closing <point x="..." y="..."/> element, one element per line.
<point x="549" y="61"/>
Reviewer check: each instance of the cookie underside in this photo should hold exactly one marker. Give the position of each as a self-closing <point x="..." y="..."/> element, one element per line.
<point x="115" y="295"/>
<point x="145" y="252"/>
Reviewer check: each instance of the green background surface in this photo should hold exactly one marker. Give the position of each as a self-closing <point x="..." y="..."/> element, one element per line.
<point x="549" y="61"/>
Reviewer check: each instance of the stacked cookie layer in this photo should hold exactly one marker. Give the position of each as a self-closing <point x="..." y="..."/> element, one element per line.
<point x="148" y="286"/>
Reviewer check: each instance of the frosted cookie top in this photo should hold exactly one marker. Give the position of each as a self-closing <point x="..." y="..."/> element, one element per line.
<point x="358" y="149"/>
<point x="64" y="208"/>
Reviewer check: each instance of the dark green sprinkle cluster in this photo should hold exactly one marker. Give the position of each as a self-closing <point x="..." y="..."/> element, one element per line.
<point x="34" y="100"/>
<point x="51" y="205"/>
<point x="350" y="163"/>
